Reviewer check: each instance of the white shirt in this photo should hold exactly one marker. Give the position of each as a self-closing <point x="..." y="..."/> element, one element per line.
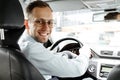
<point x="52" y="64"/>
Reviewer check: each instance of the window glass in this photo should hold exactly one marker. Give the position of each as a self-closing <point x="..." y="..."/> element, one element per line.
<point x="79" y="24"/>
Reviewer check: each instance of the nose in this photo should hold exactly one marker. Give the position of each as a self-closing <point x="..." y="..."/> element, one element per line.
<point x="46" y="23"/>
<point x="45" y="26"/>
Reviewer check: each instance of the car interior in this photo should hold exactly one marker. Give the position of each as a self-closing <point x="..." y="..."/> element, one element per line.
<point x="78" y="23"/>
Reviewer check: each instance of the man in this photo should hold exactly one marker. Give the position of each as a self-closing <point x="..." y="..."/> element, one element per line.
<point x="38" y="30"/>
<point x="112" y="16"/>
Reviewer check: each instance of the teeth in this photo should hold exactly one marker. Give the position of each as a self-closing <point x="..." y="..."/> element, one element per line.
<point x="43" y="34"/>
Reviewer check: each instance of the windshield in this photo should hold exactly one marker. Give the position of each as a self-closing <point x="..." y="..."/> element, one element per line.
<point x="80" y="24"/>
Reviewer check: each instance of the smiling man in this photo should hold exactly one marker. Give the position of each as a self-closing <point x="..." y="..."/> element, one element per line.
<point x="38" y="30"/>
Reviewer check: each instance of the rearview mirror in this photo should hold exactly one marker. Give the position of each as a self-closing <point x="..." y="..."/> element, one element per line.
<point x="106" y="16"/>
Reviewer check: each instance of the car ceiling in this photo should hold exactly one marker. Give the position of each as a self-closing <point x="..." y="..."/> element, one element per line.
<point x="63" y="5"/>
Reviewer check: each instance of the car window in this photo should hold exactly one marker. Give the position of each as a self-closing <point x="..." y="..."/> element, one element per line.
<point x="80" y="24"/>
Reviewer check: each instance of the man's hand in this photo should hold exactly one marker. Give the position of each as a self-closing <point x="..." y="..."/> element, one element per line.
<point x="85" y="50"/>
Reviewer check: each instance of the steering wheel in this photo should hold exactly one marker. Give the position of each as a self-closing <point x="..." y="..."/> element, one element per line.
<point x="73" y="47"/>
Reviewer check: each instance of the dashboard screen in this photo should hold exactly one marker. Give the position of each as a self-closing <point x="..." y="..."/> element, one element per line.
<point x="106" y="69"/>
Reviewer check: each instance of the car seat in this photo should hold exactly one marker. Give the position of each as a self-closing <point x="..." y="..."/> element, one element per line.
<point x="114" y="73"/>
<point x="13" y="64"/>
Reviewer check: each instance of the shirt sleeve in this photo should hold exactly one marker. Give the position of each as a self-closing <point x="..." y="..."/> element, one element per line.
<point x="55" y="64"/>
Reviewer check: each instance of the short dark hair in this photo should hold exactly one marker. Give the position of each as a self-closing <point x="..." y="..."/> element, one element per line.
<point x="34" y="4"/>
<point x="111" y="16"/>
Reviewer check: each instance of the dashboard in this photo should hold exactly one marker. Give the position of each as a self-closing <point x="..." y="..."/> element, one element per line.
<point x="103" y="60"/>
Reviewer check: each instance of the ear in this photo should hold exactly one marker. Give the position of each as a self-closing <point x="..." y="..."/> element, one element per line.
<point x="26" y="24"/>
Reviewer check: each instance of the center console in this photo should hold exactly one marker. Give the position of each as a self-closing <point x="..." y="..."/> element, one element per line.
<point x="103" y="61"/>
<point x="100" y="68"/>
<point x="105" y="69"/>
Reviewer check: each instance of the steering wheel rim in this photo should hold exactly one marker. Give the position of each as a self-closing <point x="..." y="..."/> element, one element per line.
<point x="64" y="39"/>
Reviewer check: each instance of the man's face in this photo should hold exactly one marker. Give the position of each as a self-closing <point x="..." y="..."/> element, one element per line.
<point x="118" y="17"/>
<point x="40" y="24"/>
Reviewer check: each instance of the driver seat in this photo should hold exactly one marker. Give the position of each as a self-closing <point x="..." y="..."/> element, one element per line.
<point x="13" y="64"/>
<point x="114" y="73"/>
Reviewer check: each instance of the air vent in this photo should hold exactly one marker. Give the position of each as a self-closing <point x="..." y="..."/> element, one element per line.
<point x="106" y="52"/>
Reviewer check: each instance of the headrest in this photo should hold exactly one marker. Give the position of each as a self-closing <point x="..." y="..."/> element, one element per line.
<point x="11" y="22"/>
<point x="11" y="14"/>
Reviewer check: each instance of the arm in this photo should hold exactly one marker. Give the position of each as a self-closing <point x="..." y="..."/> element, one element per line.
<point x="58" y="65"/>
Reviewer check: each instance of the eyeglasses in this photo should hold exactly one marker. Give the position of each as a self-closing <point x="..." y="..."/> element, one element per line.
<point x="42" y="22"/>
